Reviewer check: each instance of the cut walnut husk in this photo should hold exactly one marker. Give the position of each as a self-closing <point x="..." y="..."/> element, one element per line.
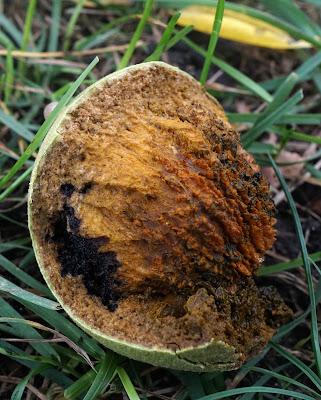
<point x="149" y="222"/>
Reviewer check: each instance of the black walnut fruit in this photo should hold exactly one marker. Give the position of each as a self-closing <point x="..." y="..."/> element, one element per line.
<point x="149" y="221"/>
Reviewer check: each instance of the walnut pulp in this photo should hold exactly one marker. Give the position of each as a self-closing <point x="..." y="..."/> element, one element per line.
<point x="149" y="222"/>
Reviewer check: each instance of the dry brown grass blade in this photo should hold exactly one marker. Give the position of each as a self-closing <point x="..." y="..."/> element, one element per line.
<point x="63" y="54"/>
<point x="14" y="380"/>
<point x="57" y="334"/>
<point x="8" y="151"/>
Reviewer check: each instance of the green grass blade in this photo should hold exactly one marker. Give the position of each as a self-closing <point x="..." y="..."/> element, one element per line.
<point x="16" y="126"/>
<point x="160" y="48"/>
<point x="316" y="267"/>
<point x="12" y="221"/>
<point x="278" y="100"/>
<point x="303" y="137"/>
<point x="127" y="383"/>
<point x="287" y="328"/>
<point x="178" y="36"/>
<point x="25" y="331"/>
<point x="71" y="24"/>
<point x="10" y="348"/>
<point x="47" y="124"/>
<point x="313" y="171"/>
<point x="193" y="384"/>
<point x="76" y="389"/>
<point x="314" y="2"/>
<point x="100" y="39"/>
<point x="26" y="357"/>
<point x="11" y="29"/>
<point x="28" y="24"/>
<point x="285" y="266"/>
<point x="299" y="364"/>
<point x="309" y="66"/>
<point x="257" y="389"/>
<point x="104" y="376"/>
<point x="9" y="79"/>
<point x="282" y="93"/>
<point x="256" y="131"/>
<point x="244" y="80"/>
<point x="42" y="41"/>
<point x="27" y="259"/>
<point x="137" y="35"/>
<point x="55" y="25"/>
<point x="213" y="40"/>
<point x="316" y="77"/>
<point x="53" y="374"/>
<point x="290" y="12"/>
<point x="23" y="276"/>
<point x="13" y="290"/>
<point x="274" y="83"/>
<point x="18" y="243"/>
<point x="90" y="41"/>
<point x="297" y="119"/>
<point x="283" y="378"/>
<point x="261" y="381"/>
<point x="62" y="350"/>
<point x="5" y="41"/>
<point x="307" y="267"/>
<point x="26" y="33"/>
<point x="262" y="148"/>
<point x="22" y="178"/>
<point x="67" y="328"/>
<point x="20" y="388"/>
<point x="286" y="84"/>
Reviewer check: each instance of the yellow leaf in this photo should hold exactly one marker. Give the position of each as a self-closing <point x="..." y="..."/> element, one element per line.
<point x="240" y="28"/>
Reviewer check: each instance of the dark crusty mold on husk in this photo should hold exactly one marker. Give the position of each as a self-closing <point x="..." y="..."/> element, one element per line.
<point x="150" y="220"/>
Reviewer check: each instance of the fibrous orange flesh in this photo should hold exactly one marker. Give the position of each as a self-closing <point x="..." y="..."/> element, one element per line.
<point x="151" y="220"/>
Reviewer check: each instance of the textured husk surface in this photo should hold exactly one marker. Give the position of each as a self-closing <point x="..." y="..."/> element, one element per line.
<point x="148" y="222"/>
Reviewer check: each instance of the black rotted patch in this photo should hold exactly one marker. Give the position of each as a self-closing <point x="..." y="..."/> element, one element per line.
<point x="86" y="188"/>
<point x="80" y="255"/>
<point x="72" y="222"/>
<point x="67" y="189"/>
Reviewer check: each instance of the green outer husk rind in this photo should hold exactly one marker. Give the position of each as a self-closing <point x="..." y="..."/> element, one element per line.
<point x="212" y="356"/>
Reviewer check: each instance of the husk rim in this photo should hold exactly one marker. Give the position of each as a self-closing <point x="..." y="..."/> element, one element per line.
<point x="197" y="359"/>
